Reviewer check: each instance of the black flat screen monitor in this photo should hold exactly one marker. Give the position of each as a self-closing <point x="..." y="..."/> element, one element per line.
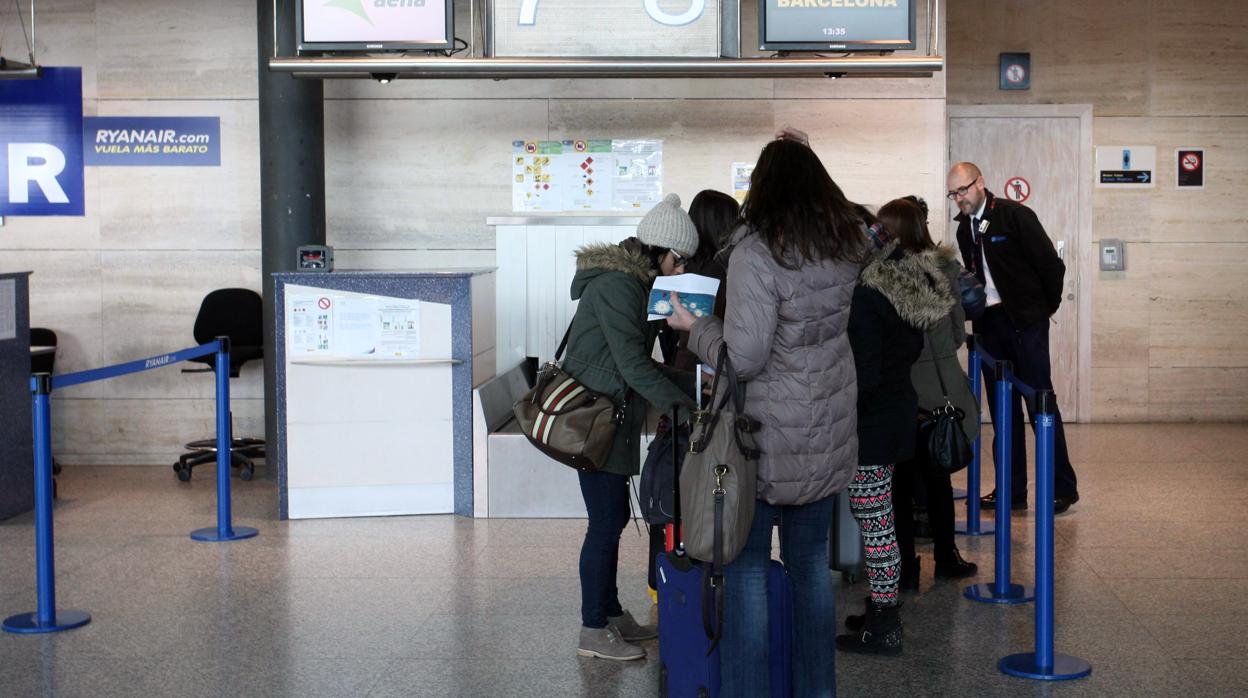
<point x="375" y="25"/>
<point x="836" y="25"/>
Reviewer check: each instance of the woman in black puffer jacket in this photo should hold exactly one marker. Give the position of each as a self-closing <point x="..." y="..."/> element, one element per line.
<point x="898" y="297"/>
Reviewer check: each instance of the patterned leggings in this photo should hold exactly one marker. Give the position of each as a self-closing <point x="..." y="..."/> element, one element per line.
<point x="871" y="500"/>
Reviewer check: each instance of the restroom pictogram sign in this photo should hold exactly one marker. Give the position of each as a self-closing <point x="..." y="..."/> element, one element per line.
<point x="1017" y="189"/>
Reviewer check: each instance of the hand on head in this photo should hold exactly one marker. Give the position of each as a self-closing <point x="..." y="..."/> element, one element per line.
<point x="788" y="133"/>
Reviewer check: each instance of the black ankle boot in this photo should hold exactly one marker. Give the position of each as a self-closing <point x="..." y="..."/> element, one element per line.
<point x="854" y="623"/>
<point x="881" y="634"/>
<point x="909" y="580"/>
<point x="954" y="567"/>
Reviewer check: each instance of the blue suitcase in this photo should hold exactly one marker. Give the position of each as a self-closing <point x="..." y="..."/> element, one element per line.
<point x="689" y="666"/>
<point x="686" y="670"/>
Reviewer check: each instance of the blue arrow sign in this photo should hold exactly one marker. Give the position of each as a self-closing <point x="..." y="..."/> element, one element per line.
<point x="1143" y="177"/>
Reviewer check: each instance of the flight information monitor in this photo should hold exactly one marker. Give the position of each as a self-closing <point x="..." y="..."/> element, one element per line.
<point x="375" y="25"/>
<point x="836" y="25"/>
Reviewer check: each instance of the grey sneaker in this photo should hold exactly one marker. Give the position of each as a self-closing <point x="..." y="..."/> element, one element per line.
<point x="606" y="643"/>
<point x="630" y="630"/>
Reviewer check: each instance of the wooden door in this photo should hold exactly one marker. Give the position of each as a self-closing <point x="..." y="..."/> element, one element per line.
<point x="1035" y="159"/>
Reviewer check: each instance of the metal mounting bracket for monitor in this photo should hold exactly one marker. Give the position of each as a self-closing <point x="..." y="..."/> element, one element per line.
<point x="16" y="69"/>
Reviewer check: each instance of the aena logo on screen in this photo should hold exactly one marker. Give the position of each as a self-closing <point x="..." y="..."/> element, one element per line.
<point x="528" y="12"/>
<point x="357" y="8"/>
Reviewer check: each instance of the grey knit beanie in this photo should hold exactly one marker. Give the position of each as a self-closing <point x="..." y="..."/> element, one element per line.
<point x="667" y="225"/>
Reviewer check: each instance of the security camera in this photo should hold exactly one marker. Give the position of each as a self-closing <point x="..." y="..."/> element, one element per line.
<point x="384" y="78"/>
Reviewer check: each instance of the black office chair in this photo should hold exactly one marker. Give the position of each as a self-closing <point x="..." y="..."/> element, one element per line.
<point x="236" y="313"/>
<point x="43" y="363"/>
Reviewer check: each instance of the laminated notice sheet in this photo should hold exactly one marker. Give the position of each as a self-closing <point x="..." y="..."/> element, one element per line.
<point x="586" y="175"/>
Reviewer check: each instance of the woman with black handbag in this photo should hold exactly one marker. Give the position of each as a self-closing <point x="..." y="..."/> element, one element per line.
<point x="899" y="296"/>
<point x="608" y="351"/>
<point x="938" y="380"/>
<point x="791" y="274"/>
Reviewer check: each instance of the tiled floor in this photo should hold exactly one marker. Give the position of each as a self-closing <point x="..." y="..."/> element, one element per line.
<point x="1152" y="590"/>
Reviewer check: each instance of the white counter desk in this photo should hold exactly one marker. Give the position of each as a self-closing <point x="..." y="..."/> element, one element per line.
<point x="375" y="372"/>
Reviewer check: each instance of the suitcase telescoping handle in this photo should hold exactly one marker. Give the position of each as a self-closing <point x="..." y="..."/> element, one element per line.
<point x="675" y="533"/>
<point x="678" y="545"/>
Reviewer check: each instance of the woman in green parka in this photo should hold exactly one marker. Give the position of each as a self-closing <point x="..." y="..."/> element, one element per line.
<point x="609" y="351"/>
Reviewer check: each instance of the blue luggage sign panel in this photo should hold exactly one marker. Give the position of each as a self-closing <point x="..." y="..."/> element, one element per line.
<point x="41" y="144"/>
<point x="152" y="141"/>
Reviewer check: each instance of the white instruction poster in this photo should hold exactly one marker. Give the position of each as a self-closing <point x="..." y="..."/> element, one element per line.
<point x="331" y="325"/>
<point x="741" y="174"/>
<point x="586" y="175"/>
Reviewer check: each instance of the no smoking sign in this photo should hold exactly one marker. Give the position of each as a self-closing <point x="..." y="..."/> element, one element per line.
<point x="1017" y="189"/>
<point x="1190" y="170"/>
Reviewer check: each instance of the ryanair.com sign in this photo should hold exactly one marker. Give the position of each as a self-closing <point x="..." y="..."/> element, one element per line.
<point x="152" y="141"/>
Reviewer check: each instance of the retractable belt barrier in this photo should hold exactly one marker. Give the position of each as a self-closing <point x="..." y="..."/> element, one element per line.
<point x="1043" y="663"/>
<point x="46" y="618"/>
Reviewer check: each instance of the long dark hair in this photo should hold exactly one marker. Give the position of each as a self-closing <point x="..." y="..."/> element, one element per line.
<point x="714" y="214"/>
<point x="907" y="222"/>
<point x="801" y="214"/>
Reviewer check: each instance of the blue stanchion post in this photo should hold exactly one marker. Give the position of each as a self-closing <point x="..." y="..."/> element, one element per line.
<point x="45" y="619"/>
<point x="1001" y="590"/>
<point x="973" y="526"/>
<point x="225" y="530"/>
<point x="1043" y="663"/>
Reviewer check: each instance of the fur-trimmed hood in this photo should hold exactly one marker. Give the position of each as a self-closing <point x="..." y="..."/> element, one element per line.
<point x="601" y="258"/>
<point x="915" y="284"/>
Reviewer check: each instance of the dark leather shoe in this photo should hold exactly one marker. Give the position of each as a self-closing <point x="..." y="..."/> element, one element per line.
<point x="1061" y="504"/>
<point x="988" y="502"/>
<point x="954" y="567"/>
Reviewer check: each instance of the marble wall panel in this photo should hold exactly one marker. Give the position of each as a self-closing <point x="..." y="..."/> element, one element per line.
<point x="1207" y="272"/>
<point x="410" y="174"/>
<point x="1198" y="394"/>
<point x="176" y="49"/>
<point x="186" y="208"/>
<point x="150" y="300"/>
<point x="1190" y="332"/>
<point x="1080" y="52"/>
<point x="877" y="154"/>
<point x="1200" y="56"/>
<point x="1120" y="394"/>
<point x="141" y="432"/>
<point x="1120" y="314"/>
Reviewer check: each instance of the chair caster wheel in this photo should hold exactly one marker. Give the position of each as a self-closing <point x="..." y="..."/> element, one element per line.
<point x="184" y="474"/>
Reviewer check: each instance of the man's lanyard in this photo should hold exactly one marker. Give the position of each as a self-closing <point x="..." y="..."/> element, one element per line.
<point x="977" y="236"/>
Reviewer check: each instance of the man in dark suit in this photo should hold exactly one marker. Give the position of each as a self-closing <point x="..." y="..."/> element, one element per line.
<point x="1003" y="243"/>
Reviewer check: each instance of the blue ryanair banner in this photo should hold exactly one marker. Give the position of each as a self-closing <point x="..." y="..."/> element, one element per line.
<point x="153" y="141"/>
<point x="41" y="144"/>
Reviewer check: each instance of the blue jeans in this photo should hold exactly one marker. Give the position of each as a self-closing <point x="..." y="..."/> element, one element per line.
<point x="606" y="501"/>
<point x="744" y="649"/>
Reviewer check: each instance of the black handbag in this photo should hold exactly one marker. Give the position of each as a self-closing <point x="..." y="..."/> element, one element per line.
<point x="948" y="448"/>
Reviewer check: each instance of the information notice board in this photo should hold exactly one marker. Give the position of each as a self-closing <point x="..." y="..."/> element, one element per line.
<point x="586" y="175"/>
